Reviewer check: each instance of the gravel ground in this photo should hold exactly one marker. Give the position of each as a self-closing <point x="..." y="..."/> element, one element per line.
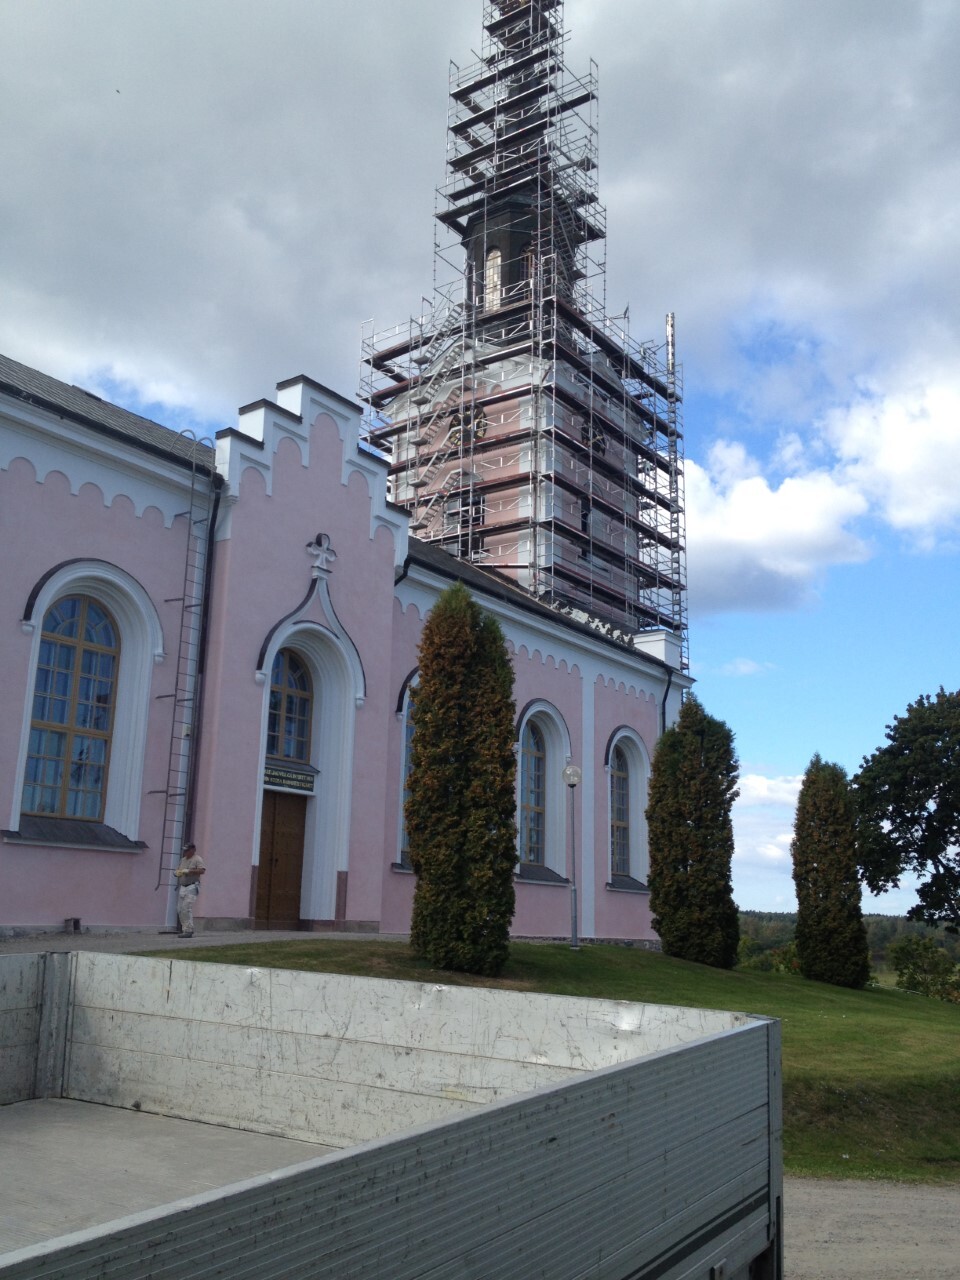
<point x="832" y="1230"/>
<point x="870" y="1231"/>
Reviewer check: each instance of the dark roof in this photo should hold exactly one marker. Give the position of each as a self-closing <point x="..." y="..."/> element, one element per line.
<point x="77" y="405"/>
<point x="491" y="582"/>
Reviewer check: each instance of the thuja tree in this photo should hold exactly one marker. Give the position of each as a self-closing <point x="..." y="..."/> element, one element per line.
<point x="692" y="790"/>
<point x="461" y="801"/>
<point x="831" y="937"/>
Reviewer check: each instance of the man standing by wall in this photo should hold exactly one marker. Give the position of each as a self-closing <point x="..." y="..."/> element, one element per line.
<point x="188" y="875"/>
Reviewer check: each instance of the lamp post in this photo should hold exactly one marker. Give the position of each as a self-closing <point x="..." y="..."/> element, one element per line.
<point x="572" y="776"/>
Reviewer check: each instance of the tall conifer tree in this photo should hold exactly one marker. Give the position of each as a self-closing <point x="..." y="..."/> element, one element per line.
<point x="692" y="790"/>
<point x="831" y="936"/>
<point x="460" y="811"/>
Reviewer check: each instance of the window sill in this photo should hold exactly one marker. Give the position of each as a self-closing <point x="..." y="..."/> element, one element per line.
<point x="402" y="868"/>
<point x="625" y="884"/>
<point x="535" y="873"/>
<point x="71" y="833"/>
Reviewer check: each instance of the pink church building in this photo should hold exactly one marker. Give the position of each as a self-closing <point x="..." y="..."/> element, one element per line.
<point x="219" y="641"/>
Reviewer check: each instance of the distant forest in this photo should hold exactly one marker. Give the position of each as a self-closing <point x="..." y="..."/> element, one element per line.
<point x="763" y="931"/>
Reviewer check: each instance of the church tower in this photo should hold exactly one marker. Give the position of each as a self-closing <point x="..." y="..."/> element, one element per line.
<point x="526" y="430"/>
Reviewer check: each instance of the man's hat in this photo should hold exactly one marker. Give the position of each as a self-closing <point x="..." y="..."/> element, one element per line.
<point x="188" y="847"/>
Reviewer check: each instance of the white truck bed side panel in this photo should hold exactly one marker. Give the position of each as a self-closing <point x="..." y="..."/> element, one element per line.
<point x="671" y="1153"/>
<point x="335" y="1059"/>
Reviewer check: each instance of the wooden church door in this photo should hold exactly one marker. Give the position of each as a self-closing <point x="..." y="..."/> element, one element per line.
<point x="281" y="860"/>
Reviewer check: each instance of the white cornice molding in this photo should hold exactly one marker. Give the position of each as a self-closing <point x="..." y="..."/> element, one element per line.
<point x="421" y="586"/>
<point x="114" y="466"/>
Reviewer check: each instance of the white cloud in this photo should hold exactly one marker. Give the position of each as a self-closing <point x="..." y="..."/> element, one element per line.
<point x="755" y="545"/>
<point x="763" y="829"/>
<point x="822" y="194"/>
<point x="757" y="790"/>
<point x="890" y="457"/>
<point x="746" y="667"/>
<point x="901" y="449"/>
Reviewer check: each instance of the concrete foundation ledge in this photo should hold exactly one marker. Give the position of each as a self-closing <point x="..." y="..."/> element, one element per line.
<point x="340" y="926"/>
<point x="74" y="925"/>
<point x="223" y="924"/>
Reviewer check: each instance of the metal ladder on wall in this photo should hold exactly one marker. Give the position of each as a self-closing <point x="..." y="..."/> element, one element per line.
<point x="186" y="689"/>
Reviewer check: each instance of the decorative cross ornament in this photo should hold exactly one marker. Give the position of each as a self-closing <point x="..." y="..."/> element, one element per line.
<point x="323" y="554"/>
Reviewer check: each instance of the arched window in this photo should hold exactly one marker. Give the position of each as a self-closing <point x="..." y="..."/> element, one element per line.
<point x="543" y="748"/>
<point x="619" y="812"/>
<point x="492" y="284"/>
<point x="291" y="708"/>
<point x="71" y="726"/>
<point x="533" y="794"/>
<point x="628" y="770"/>
<point x="406" y="766"/>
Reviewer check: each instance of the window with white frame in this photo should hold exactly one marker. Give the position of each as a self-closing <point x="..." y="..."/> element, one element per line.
<point x="543" y="748"/>
<point x="628" y="770"/>
<point x="406" y="767"/>
<point x="291" y="708"/>
<point x="619" y="812"/>
<point x="533" y="794"/>
<point x="96" y="640"/>
<point x="72" y="715"/>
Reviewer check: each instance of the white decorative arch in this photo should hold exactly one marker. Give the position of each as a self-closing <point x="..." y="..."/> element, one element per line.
<point x="405" y="716"/>
<point x="337" y="690"/>
<point x="638" y="775"/>
<point x="556" y="739"/>
<point x="141" y="646"/>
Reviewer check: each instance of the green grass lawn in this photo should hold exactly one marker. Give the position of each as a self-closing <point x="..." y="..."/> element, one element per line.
<point x="871" y="1078"/>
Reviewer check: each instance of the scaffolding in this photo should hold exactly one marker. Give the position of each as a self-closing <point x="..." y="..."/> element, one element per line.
<point x="526" y="430"/>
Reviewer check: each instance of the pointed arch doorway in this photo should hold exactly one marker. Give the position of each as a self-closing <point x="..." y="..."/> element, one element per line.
<point x="301" y="851"/>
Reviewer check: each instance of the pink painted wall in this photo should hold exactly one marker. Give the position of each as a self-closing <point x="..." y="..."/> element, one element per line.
<point x="42" y="525"/>
<point x="619" y="914"/>
<point x="397" y="886"/>
<point x="544" y="909"/>
<point x="263" y="573"/>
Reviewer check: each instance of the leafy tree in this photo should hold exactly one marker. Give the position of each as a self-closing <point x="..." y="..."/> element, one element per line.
<point x="776" y="960"/>
<point x="692" y="789"/>
<point x="765" y="931"/>
<point x="831" y="937"/>
<point x="908" y="797"/>
<point x="881" y="931"/>
<point x="924" y="967"/>
<point x="460" y="808"/>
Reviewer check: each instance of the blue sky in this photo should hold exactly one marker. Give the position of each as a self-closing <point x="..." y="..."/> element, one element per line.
<point x="202" y="200"/>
